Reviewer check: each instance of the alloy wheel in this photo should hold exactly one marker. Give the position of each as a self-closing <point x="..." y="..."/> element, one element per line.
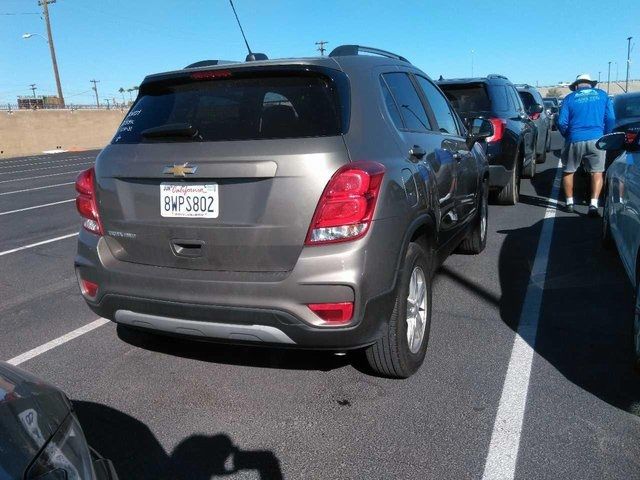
<point x="416" y="309"/>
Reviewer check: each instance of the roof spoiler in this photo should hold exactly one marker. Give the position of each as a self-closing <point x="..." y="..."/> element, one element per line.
<point x="210" y="63"/>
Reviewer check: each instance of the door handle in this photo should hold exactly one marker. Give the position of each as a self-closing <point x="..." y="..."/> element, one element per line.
<point x="187" y="248"/>
<point x="417" y="151"/>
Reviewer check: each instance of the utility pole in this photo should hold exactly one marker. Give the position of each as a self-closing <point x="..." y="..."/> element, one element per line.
<point x="45" y="10"/>
<point x="108" y="106"/>
<point x="609" y="78"/>
<point x="95" y="89"/>
<point x="626" y="86"/>
<point x="472" y="52"/>
<point x="599" y="76"/>
<point x="321" y="48"/>
<point x="33" y="88"/>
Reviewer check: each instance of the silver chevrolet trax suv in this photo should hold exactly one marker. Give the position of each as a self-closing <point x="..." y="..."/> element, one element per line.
<point x="298" y="202"/>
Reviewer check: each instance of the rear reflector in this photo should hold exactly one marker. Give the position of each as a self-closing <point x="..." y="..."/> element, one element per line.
<point x="333" y="313"/>
<point x="346" y="207"/>
<point x="498" y="129"/>
<point x="534" y="116"/>
<point x="630" y="137"/>
<point x="87" y="288"/>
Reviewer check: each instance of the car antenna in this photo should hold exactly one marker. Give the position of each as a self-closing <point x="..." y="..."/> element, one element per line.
<point x="251" y="56"/>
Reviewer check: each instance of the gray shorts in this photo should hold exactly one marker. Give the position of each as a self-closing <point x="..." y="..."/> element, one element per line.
<point x="573" y="154"/>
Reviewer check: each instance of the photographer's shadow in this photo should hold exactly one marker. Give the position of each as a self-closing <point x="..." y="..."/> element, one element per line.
<point x="136" y="453"/>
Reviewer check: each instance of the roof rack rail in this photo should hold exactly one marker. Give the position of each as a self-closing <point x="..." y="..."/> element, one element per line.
<point x="210" y="63"/>
<point x="496" y="75"/>
<point x="347" y="50"/>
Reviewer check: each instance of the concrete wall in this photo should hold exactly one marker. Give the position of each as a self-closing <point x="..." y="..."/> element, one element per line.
<point x="29" y="132"/>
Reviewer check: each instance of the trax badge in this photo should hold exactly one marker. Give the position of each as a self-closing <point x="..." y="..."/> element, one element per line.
<point x="180" y="170"/>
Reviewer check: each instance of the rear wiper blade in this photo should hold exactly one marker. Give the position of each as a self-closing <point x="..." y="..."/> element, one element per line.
<point x="171" y="130"/>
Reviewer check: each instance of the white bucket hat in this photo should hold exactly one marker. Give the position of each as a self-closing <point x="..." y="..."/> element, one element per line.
<point x="584" y="78"/>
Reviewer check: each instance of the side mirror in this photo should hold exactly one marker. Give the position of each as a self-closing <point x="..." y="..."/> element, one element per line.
<point x="612" y="141"/>
<point x="536" y="108"/>
<point x="479" y="129"/>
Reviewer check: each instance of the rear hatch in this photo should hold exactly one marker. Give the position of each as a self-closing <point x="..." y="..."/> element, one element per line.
<point x="222" y="169"/>
<point x="469" y="99"/>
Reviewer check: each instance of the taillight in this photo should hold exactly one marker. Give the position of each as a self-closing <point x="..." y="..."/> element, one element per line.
<point x="346" y="206"/>
<point x="333" y="313"/>
<point x="498" y="129"/>
<point x="87" y="288"/>
<point x="86" y="201"/>
<point x="630" y="137"/>
<point x="534" y="116"/>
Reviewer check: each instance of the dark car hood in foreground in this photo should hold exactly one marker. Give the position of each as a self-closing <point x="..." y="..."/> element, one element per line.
<point x="30" y="413"/>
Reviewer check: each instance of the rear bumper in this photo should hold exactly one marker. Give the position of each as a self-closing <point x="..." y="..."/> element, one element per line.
<point x="254" y="307"/>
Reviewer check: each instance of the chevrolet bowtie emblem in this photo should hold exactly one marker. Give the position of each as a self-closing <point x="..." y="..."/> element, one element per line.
<point x="180" y="170"/>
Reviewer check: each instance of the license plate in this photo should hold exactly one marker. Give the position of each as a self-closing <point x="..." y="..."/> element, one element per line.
<point x="189" y="200"/>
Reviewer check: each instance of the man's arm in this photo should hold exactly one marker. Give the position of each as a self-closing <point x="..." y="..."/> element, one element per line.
<point x="609" y="117"/>
<point x="563" y="118"/>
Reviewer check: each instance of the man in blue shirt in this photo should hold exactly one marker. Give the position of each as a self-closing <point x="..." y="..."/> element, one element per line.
<point x="586" y="115"/>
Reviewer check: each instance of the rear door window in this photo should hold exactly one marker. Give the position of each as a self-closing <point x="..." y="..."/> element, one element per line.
<point x="515" y="99"/>
<point x="243" y="108"/>
<point x="439" y="106"/>
<point x="501" y="101"/>
<point x="406" y="97"/>
<point x="468" y="99"/>
<point x="392" y="107"/>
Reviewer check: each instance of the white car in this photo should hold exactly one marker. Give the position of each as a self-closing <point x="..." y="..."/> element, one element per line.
<point x="621" y="219"/>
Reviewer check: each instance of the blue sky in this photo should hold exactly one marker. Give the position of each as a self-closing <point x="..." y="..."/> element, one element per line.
<point x="120" y="41"/>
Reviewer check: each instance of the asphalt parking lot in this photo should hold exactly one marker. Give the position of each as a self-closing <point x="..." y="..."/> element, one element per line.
<point x="166" y="408"/>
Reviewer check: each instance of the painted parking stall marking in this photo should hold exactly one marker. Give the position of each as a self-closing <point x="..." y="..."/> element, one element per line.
<point x="37" y="206"/>
<point x="505" y="439"/>
<point x="56" y="342"/>
<point x="37" y="244"/>
<point x="36" y="188"/>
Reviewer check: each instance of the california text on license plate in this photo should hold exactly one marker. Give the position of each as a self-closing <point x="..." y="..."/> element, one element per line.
<point x="189" y="200"/>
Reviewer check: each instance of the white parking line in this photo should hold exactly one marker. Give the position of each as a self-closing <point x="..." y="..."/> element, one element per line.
<point x="37" y="244"/>
<point x="36" y="188"/>
<point x="46" y="168"/>
<point x="44" y="159"/>
<point x="36" y="206"/>
<point x="41" y="163"/>
<point x="507" y="427"/>
<point x="34" y="352"/>
<point x="39" y="176"/>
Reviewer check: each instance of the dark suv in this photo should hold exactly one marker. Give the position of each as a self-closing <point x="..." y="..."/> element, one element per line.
<point x="298" y="202"/>
<point x="511" y="150"/>
<point x="534" y="106"/>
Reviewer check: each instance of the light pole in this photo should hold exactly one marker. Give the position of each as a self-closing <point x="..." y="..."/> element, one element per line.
<point x="608" y="78"/>
<point x="472" y="52"/>
<point x="626" y="85"/>
<point x="53" y="58"/>
<point x="95" y="89"/>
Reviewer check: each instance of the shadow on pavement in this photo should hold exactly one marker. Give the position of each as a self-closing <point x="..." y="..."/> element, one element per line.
<point x="136" y="453"/>
<point x="585" y="323"/>
<point x="245" y="355"/>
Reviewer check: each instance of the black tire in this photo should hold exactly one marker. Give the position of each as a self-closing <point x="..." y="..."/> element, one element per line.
<point x="530" y="170"/>
<point x="391" y="356"/>
<point x="510" y="193"/>
<point x="636" y="323"/>
<point x="542" y="156"/>
<point x="607" y="239"/>
<point x="476" y="241"/>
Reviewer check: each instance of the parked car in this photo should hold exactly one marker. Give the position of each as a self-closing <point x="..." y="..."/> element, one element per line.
<point x="41" y="436"/>
<point x="621" y="218"/>
<point x="534" y="106"/>
<point x="552" y="112"/>
<point x="295" y="202"/>
<point x="627" y="109"/>
<point x="511" y="151"/>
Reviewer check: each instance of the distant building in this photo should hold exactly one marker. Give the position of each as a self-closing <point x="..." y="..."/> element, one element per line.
<point x="34" y="103"/>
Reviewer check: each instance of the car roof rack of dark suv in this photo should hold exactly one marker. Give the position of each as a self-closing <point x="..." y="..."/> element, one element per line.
<point x="497" y="75"/>
<point x="523" y="85"/>
<point x="347" y="50"/>
<point x="210" y="63"/>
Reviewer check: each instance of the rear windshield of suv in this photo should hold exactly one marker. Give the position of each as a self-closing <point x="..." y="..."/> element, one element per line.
<point x="473" y="98"/>
<point x="243" y="108"/>
<point x="527" y="99"/>
<point x="627" y="106"/>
